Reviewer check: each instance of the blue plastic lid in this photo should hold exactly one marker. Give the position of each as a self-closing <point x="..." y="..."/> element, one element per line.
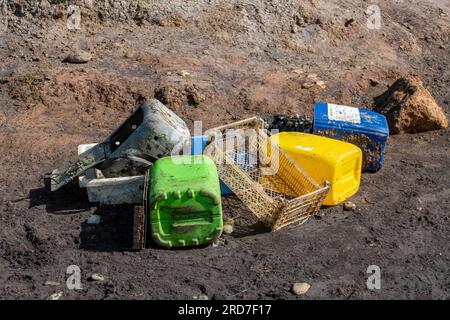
<point x="350" y="117"/>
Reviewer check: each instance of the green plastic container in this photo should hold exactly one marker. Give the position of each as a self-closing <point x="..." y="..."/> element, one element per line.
<point x="183" y="201"/>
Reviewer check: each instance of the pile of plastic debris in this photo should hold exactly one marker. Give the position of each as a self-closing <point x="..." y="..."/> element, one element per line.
<point x="283" y="178"/>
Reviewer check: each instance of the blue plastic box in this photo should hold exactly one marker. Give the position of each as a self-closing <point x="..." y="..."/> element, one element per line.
<point x="366" y="129"/>
<point x="197" y="146"/>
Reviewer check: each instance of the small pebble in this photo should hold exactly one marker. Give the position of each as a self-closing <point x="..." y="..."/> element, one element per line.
<point x="300" y="288"/>
<point x="349" y="206"/>
<point x="96" y="277"/>
<point x="128" y="54"/>
<point x="51" y="283"/>
<point x="56" y="296"/>
<point x="349" y="22"/>
<point x="228" y="221"/>
<point x="228" y="228"/>
<point x="78" y="57"/>
<point x="184" y="73"/>
<point x="307" y="85"/>
<point x="321" y="84"/>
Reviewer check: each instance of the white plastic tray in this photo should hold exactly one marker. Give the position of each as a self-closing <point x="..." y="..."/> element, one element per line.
<point x="110" y="190"/>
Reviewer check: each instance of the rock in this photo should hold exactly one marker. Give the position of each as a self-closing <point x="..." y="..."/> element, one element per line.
<point x="349" y="206"/>
<point x="142" y="22"/>
<point x="51" y="283"/>
<point x="216" y="243"/>
<point x="128" y="54"/>
<point x="307" y="85"/>
<point x="175" y="97"/>
<point x="349" y="22"/>
<point x="96" y="277"/>
<point x="410" y="108"/>
<point x="321" y="84"/>
<point x="374" y="82"/>
<point x="228" y="228"/>
<point x="300" y="288"/>
<point x="171" y="96"/>
<point x="56" y="296"/>
<point x="194" y="95"/>
<point x="203" y="297"/>
<point x="78" y="56"/>
<point x="184" y="73"/>
<point x="229" y="221"/>
<point x="294" y="28"/>
<point x="93" y="219"/>
<point x="319" y="215"/>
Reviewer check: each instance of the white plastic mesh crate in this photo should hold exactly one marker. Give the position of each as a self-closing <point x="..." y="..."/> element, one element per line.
<point x="265" y="178"/>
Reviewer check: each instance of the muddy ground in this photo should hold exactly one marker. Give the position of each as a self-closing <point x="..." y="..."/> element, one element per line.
<point x="219" y="61"/>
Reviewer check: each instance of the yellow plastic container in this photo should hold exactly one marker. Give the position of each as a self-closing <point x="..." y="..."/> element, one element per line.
<point x="325" y="159"/>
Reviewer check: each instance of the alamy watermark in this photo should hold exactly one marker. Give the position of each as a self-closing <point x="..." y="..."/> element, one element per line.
<point x="73" y="17"/>
<point x="374" y="280"/>
<point x="3" y="17"/>
<point x="73" y="282"/>
<point x="374" y="19"/>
